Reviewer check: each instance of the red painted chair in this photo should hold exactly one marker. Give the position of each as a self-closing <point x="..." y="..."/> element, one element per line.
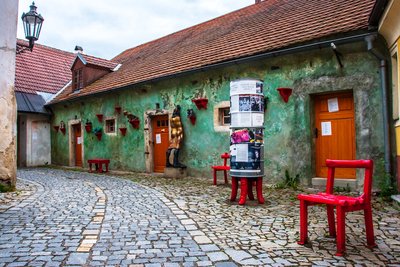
<point x="225" y="168"/>
<point x="342" y="204"/>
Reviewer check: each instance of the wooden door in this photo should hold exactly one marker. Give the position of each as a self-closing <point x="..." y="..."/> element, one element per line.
<point x="78" y="139"/>
<point x="334" y="132"/>
<point x="160" y="141"/>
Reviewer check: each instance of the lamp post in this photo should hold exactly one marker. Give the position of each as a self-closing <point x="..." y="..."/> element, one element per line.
<point x="32" y="25"/>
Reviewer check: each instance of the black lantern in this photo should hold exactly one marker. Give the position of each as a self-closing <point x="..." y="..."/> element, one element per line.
<point x="32" y="25"/>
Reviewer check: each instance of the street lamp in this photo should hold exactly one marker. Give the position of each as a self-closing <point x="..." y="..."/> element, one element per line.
<point x="32" y="25"/>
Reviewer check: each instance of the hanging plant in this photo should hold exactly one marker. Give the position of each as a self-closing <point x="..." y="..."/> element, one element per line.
<point x="88" y="126"/>
<point x="201" y="103"/>
<point x="134" y="121"/>
<point x="192" y="116"/>
<point x="98" y="131"/>
<point x="99" y="117"/>
<point x="62" y="127"/>
<point x="123" y="129"/>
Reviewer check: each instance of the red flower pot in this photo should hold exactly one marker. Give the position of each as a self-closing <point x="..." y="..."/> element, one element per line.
<point x="135" y="123"/>
<point x="88" y="128"/>
<point x="63" y="130"/>
<point x="118" y="109"/>
<point x="285" y="93"/>
<point x="192" y="119"/>
<point x="99" y="117"/>
<point x="99" y="135"/>
<point x="201" y="103"/>
<point x="123" y="130"/>
<point x="56" y="127"/>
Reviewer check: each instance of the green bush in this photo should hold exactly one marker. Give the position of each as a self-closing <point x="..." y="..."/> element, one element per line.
<point x="384" y="181"/>
<point x="289" y="181"/>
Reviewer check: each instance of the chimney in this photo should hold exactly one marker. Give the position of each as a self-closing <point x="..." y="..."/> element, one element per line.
<point x="258" y="1"/>
<point x="78" y="49"/>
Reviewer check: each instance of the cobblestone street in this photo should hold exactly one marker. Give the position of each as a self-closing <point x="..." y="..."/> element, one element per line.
<point x="69" y="218"/>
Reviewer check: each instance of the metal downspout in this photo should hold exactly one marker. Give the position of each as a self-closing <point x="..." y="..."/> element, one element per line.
<point x="384" y="84"/>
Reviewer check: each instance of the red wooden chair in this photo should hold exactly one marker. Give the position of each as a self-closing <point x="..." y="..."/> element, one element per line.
<point x="342" y="204"/>
<point x="224" y="168"/>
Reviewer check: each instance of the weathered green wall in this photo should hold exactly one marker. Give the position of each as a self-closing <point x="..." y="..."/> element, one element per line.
<point x="288" y="140"/>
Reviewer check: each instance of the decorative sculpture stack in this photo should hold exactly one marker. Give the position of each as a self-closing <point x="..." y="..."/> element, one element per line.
<point x="247" y="134"/>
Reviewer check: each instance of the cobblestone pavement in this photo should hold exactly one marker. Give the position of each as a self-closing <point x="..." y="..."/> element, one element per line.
<point x="74" y="218"/>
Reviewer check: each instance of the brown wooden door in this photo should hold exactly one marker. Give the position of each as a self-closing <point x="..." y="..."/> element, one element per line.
<point x="78" y="139"/>
<point x="334" y="133"/>
<point x="160" y="141"/>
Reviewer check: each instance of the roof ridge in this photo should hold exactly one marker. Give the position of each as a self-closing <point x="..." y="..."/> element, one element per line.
<point x="44" y="46"/>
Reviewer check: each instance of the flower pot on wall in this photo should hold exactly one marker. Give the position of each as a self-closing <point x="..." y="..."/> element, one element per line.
<point x="285" y="93"/>
<point x="99" y="135"/>
<point x="63" y="130"/>
<point x="56" y="127"/>
<point x="118" y="109"/>
<point x="135" y="123"/>
<point x="201" y="103"/>
<point x="192" y="116"/>
<point x="123" y="130"/>
<point x="88" y="128"/>
<point x="99" y="117"/>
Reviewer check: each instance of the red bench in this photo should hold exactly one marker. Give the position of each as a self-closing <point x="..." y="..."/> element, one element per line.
<point x="98" y="164"/>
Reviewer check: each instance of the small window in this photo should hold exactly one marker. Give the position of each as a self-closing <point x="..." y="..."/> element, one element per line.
<point x="222" y="116"/>
<point x="225" y="116"/>
<point x="110" y="125"/>
<point x="77" y="80"/>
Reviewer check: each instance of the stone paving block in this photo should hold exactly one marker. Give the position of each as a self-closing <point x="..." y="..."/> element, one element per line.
<point x="77" y="258"/>
<point x="217" y="256"/>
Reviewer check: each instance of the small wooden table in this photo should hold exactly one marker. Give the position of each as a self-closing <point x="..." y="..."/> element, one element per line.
<point x="98" y="164"/>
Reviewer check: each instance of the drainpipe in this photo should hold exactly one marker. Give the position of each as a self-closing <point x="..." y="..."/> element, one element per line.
<point x="384" y="86"/>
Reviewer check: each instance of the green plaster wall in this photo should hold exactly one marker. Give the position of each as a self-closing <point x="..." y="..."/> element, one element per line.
<point x="288" y="126"/>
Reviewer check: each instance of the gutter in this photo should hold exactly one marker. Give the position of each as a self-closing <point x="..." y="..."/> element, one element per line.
<point x="384" y="86"/>
<point x="285" y="51"/>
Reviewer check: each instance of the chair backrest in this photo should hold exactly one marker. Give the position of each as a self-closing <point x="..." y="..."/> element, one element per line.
<point x="366" y="164"/>
<point x="225" y="156"/>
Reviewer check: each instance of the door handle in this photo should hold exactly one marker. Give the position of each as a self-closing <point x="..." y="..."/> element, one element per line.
<point x="316" y="132"/>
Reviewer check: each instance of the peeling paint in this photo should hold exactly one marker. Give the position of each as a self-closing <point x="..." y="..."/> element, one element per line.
<point x="288" y="138"/>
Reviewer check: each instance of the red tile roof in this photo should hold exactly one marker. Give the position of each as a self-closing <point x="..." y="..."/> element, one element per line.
<point x="267" y="26"/>
<point x="45" y="69"/>
<point x="100" y="62"/>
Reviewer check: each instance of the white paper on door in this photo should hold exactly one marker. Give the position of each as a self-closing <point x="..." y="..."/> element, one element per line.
<point x="158" y="138"/>
<point x="333" y="105"/>
<point x="326" y="128"/>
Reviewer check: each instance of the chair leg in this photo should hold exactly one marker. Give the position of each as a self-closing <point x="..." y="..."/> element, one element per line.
<point x="235" y="183"/>
<point x="331" y="220"/>
<point x="260" y="196"/>
<point x="303" y="223"/>
<point x="226" y="177"/>
<point x="369" y="227"/>
<point x="215" y="176"/>
<point x="243" y="191"/>
<point x="250" y="190"/>
<point x="341" y="235"/>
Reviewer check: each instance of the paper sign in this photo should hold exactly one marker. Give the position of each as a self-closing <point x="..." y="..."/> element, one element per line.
<point x="333" y="105"/>
<point x="79" y="140"/>
<point x="158" y="138"/>
<point x="326" y="128"/>
<point x="258" y="119"/>
<point x="242" y="153"/>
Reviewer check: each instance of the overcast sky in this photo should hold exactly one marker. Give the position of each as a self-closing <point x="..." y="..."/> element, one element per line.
<point x="105" y="28"/>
